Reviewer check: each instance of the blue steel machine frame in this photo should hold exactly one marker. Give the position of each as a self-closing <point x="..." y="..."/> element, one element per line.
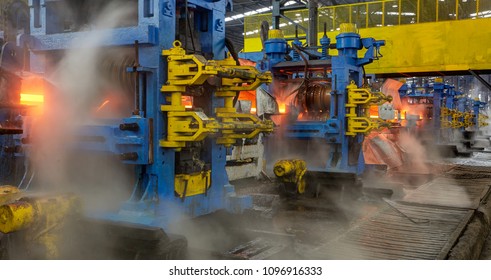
<point x="451" y="109"/>
<point x="160" y="127"/>
<point x="347" y="122"/>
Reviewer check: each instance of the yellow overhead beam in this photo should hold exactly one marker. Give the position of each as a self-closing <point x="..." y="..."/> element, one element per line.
<point x="425" y="47"/>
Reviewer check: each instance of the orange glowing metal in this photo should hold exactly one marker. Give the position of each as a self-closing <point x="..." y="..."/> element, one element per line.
<point x="31" y="99"/>
<point x="102" y="105"/>
<point x="187" y="101"/>
<point x="403" y="115"/>
<point x="373" y="111"/>
<point x="32" y="91"/>
<point x="282" y="108"/>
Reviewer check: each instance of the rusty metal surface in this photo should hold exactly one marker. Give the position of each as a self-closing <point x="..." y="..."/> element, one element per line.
<point x="399" y="231"/>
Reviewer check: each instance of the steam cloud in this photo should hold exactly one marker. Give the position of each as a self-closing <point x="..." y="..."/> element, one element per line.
<point x="79" y="87"/>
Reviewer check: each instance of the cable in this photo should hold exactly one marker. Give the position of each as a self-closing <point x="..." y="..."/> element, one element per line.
<point x="189" y="28"/>
<point x="230" y="46"/>
<point x="305" y="79"/>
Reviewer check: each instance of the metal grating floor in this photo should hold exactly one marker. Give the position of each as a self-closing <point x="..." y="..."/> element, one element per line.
<point x="425" y="224"/>
<point x="400" y="231"/>
<point x="450" y="192"/>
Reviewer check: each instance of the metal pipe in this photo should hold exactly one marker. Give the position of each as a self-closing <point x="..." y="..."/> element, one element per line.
<point x="366" y="15"/>
<point x="383" y="14"/>
<point x="436" y="3"/>
<point x="457" y="10"/>
<point x="400" y="10"/>
<point x="477" y="8"/>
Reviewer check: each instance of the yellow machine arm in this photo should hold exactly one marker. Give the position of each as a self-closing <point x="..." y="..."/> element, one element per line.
<point x="445" y="113"/>
<point x="359" y="100"/>
<point x="483" y="120"/>
<point x="229" y="79"/>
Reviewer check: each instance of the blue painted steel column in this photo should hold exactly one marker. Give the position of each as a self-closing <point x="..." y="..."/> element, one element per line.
<point x="437" y="103"/>
<point x="345" y="70"/>
<point x="476" y="108"/>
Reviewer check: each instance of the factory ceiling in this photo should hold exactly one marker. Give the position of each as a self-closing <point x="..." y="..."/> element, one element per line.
<point x="235" y="18"/>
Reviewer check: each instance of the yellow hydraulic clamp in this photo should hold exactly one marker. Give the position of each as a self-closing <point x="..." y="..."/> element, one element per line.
<point x="483" y="120"/>
<point x="228" y="79"/>
<point x="357" y="113"/>
<point x="468" y="120"/>
<point x="292" y="172"/>
<point x="456" y="115"/>
<point x="39" y="220"/>
<point x="445" y="114"/>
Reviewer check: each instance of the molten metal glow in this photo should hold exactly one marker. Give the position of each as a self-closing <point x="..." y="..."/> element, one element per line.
<point x="32" y="91"/>
<point x="373" y="111"/>
<point x="31" y="99"/>
<point x="104" y="103"/>
<point x="282" y="108"/>
<point x="187" y="101"/>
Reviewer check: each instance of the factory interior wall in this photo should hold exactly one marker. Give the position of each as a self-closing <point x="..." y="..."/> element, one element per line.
<point x="424" y="47"/>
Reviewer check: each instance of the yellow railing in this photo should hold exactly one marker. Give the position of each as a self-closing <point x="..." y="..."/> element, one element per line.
<point x="377" y="14"/>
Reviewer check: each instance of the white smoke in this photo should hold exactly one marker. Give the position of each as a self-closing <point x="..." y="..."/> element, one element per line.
<point x="78" y="88"/>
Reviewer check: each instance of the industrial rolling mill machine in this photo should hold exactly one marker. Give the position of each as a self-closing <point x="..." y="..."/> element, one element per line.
<point x="324" y="102"/>
<point x="448" y="119"/>
<point x="173" y="138"/>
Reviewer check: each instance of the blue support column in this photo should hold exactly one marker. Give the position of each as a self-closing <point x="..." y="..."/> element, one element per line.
<point x="476" y="106"/>
<point x="345" y="152"/>
<point x="438" y="88"/>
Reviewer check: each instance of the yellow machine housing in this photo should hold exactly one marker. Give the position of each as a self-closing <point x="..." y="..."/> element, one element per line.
<point x="292" y="172"/>
<point x="39" y="220"/>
